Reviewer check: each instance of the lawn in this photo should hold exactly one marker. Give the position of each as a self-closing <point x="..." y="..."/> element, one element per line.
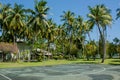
<point x="57" y="62"/>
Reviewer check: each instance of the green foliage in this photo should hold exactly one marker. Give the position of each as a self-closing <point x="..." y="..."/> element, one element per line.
<point x="55" y="57"/>
<point x="90" y="50"/>
<point x="58" y="57"/>
<point x="25" y="55"/>
<point x="32" y="26"/>
<point x="74" y="51"/>
<point x="40" y="58"/>
<point x="66" y="57"/>
<point x="111" y="50"/>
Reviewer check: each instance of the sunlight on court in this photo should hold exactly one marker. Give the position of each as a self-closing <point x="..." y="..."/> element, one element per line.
<point x="63" y="72"/>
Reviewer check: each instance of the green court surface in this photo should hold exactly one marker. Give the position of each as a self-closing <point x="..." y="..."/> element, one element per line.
<point x="63" y="72"/>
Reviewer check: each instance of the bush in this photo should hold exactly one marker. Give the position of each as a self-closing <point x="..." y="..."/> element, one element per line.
<point x="55" y="57"/>
<point x="66" y="57"/>
<point x="40" y="58"/>
<point x="60" y="56"/>
<point x="74" y="51"/>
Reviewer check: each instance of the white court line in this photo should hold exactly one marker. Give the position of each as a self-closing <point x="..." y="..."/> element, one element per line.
<point x="96" y="71"/>
<point x="6" y="77"/>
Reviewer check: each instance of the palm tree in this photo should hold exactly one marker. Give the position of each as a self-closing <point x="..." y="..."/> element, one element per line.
<point x="83" y="28"/>
<point x="61" y="35"/>
<point x="4" y="9"/>
<point x="50" y="33"/>
<point x="38" y="20"/>
<point x="15" y="21"/>
<point x="116" y="40"/>
<point x="88" y="26"/>
<point x="68" y="18"/>
<point x="100" y="16"/>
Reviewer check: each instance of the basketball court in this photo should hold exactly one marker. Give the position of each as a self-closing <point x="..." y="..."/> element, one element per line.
<point x="63" y="72"/>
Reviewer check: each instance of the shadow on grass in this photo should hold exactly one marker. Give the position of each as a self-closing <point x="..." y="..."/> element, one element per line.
<point x="115" y="62"/>
<point x="86" y="62"/>
<point x="111" y="63"/>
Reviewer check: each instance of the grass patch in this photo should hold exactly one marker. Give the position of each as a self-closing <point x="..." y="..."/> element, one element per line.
<point x="57" y="62"/>
<point x="114" y="62"/>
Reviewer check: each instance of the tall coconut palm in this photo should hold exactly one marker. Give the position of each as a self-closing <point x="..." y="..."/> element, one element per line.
<point x="88" y="26"/>
<point x="82" y="29"/>
<point x="100" y="16"/>
<point x="15" y="20"/>
<point x="4" y="9"/>
<point x="38" y="20"/>
<point x="69" y="18"/>
<point x="50" y="33"/>
<point x="61" y="35"/>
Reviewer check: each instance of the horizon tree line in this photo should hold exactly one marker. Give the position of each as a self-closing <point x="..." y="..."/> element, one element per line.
<point x="69" y="38"/>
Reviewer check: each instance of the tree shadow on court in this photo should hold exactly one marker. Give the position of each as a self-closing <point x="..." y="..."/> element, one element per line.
<point x="101" y="77"/>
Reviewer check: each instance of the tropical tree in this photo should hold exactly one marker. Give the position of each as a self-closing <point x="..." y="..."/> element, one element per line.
<point x="3" y="22"/>
<point x="118" y="50"/>
<point x="88" y="26"/>
<point x="38" y="20"/>
<point x="91" y="50"/>
<point x="61" y="37"/>
<point x="100" y="16"/>
<point x="69" y="19"/>
<point x="116" y="41"/>
<point x="112" y="49"/>
<point x="50" y="33"/>
<point x="117" y="45"/>
<point x="15" y="21"/>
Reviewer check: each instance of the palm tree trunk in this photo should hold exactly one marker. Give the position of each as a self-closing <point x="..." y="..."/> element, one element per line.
<point x="14" y="39"/>
<point x="63" y="48"/>
<point x="104" y="51"/>
<point x="70" y="41"/>
<point x="103" y="43"/>
<point x="89" y="36"/>
<point x="48" y="46"/>
<point x="3" y="57"/>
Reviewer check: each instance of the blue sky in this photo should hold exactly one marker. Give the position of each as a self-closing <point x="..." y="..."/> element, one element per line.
<point x="79" y="7"/>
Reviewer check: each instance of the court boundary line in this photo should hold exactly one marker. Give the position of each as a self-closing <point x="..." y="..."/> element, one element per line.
<point x="5" y="76"/>
<point x="96" y="72"/>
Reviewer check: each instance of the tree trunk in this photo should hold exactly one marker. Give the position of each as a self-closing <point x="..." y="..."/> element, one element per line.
<point x="89" y="36"/>
<point x="87" y="56"/>
<point x="3" y="57"/>
<point x="48" y="46"/>
<point x="103" y="43"/>
<point x="70" y="42"/>
<point x="14" y="39"/>
<point x="104" y="51"/>
<point x="63" y="48"/>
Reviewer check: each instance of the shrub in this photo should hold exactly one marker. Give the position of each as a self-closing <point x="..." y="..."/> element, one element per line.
<point x="74" y="51"/>
<point x="55" y="57"/>
<point x="66" y="57"/>
<point x="40" y="58"/>
<point x="60" y="56"/>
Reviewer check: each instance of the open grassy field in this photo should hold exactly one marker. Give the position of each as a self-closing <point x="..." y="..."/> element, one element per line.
<point x="57" y="62"/>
